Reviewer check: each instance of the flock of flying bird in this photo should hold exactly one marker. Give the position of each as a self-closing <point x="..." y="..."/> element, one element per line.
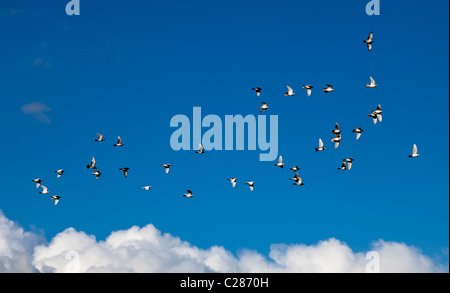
<point x="376" y="115"/>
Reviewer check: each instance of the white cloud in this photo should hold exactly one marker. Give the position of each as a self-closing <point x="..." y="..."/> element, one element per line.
<point x="146" y="249"/>
<point x="38" y="110"/>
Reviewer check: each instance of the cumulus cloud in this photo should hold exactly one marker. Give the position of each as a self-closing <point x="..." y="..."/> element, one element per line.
<point x="38" y="110"/>
<point x="148" y="250"/>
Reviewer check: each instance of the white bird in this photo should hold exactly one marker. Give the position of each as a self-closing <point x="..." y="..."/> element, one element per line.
<point x="372" y="83"/>
<point x="414" y="152"/>
<point x="369" y="41"/>
<point x="233" y="181"/>
<point x="92" y="165"/>
<point x="358" y="131"/>
<point x="97" y="174"/>
<point x="298" y="180"/>
<point x="200" y="149"/>
<point x="343" y="166"/>
<point x="166" y="167"/>
<point x="147" y="188"/>
<point x="280" y="162"/>
<point x="337" y="140"/>
<point x="308" y="89"/>
<point x="264" y="107"/>
<point x="290" y="92"/>
<point x="320" y="148"/>
<point x="37" y="181"/>
<point x="250" y="184"/>
<point x="349" y="162"/>
<point x="336" y="129"/>
<point x="100" y="137"/>
<point x="294" y="169"/>
<point x="44" y="190"/>
<point x="257" y="90"/>
<point x="119" y="142"/>
<point x="56" y="198"/>
<point x="328" y="89"/>
<point x="125" y="171"/>
<point x="188" y="194"/>
<point x="60" y="172"/>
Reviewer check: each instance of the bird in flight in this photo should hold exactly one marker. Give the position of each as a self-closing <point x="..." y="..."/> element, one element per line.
<point x="250" y="184"/>
<point x="56" y="198"/>
<point x="343" y="166"/>
<point x="298" y="180"/>
<point x="100" y="137"/>
<point x="166" y="167"/>
<point x="264" y="107"/>
<point x="119" y="142"/>
<point x="358" y="132"/>
<point x="233" y="181"/>
<point x="414" y="152"/>
<point x="44" y="190"/>
<point x="336" y="129"/>
<point x="328" y="89"/>
<point x="349" y="162"/>
<point x="369" y="41"/>
<point x="337" y="140"/>
<point x="320" y="148"/>
<point x="37" y="181"/>
<point x="200" y="149"/>
<point x="294" y="169"/>
<point x="188" y="194"/>
<point x="92" y="165"/>
<point x="147" y="188"/>
<point x="97" y="174"/>
<point x="257" y="90"/>
<point x="376" y="115"/>
<point x="280" y="162"/>
<point x="60" y="172"/>
<point x="308" y="89"/>
<point x="125" y="171"/>
<point x="290" y="92"/>
<point x="372" y="83"/>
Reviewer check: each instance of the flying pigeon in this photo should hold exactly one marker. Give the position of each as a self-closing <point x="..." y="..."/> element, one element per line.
<point x="369" y="41"/>
<point x="337" y="140"/>
<point x="125" y="171"/>
<point x="147" y="188"/>
<point x="308" y="89"/>
<point x="38" y="182"/>
<point x="376" y="114"/>
<point x="188" y="194"/>
<point x="166" y="167"/>
<point x="264" y="107"/>
<point x="100" y="137"/>
<point x="349" y="163"/>
<point x="294" y="169"/>
<point x="298" y="180"/>
<point x="119" y="142"/>
<point x="336" y="129"/>
<point x="320" y="148"/>
<point x="44" y="190"/>
<point x="250" y="184"/>
<point x="97" y="174"/>
<point x="257" y="90"/>
<point x="328" y="89"/>
<point x="56" y="198"/>
<point x="280" y="162"/>
<point x="290" y="92"/>
<point x="358" y="131"/>
<point x="414" y="152"/>
<point x="372" y="83"/>
<point x="200" y="149"/>
<point x="60" y="172"/>
<point x="92" y="165"/>
<point x="343" y="166"/>
<point x="233" y="181"/>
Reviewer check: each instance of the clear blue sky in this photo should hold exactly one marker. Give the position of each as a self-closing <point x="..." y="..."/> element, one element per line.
<point x="126" y="69"/>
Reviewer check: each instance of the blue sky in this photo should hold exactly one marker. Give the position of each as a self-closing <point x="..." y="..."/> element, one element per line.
<point x="126" y="69"/>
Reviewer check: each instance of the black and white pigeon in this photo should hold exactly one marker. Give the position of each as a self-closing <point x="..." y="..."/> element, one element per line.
<point x="308" y="89"/>
<point x="97" y="174"/>
<point x="125" y="171"/>
<point x="414" y="152"/>
<point x="369" y="41"/>
<point x="336" y="129"/>
<point x="250" y="184"/>
<point x="294" y="169"/>
<point x="233" y="181"/>
<point x="56" y="198"/>
<point x="100" y="137"/>
<point x="320" y="148"/>
<point x="257" y="90"/>
<point x="200" y="149"/>
<point x="166" y="167"/>
<point x="349" y="162"/>
<point x="343" y="166"/>
<point x="119" y="142"/>
<point x="328" y="89"/>
<point x="188" y="194"/>
<point x="280" y="162"/>
<point x="337" y="140"/>
<point x="92" y="165"/>
<point x="358" y="132"/>
<point x="264" y="107"/>
<point x="372" y="83"/>
<point x="290" y="92"/>
<point x="376" y="115"/>
<point x="298" y="180"/>
<point x="148" y="187"/>
<point x="38" y="182"/>
<point x="44" y="190"/>
<point x="59" y="172"/>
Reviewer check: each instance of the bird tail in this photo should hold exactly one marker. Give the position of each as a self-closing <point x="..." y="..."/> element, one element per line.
<point x="409" y="156"/>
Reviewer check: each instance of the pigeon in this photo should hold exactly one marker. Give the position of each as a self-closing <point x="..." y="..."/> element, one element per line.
<point x="414" y="152"/>
<point x="372" y="83"/>
<point x="257" y="90"/>
<point x="298" y="180"/>
<point x="38" y="182"/>
<point x="200" y="149"/>
<point x="376" y="115"/>
<point x="328" y="89"/>
<point x="100" y="137"/>
<point x="119" y="142"/>
<point x="294" y="169"/>
<point x="264" y="107"/>
<point x="97" y="174"/>
<point x="188" y="194"/>
<point x="337" y="140"/>
<point x="147" y="188"/>
<point x="349" y="163"/>
<point x="125" y="171"/>
<point x="44" y="190"/>
<point x="92" y="165"/>
<point x="343" y="166"/>
<point x="308" y="89"/>
<point x="358" y="131"/>
<point x="60" y="172"/>
<point x="369" y="41"/>
<point x="233" y="181"/>
<point x="250" y="184"/>
<point x="280" y="162"/>
<point x="290" y="92"/>
<point x="336" y="129"/>
<point x="56" y="198"/>
<point x="320" y="148"/>
<point x="166" y="167"/>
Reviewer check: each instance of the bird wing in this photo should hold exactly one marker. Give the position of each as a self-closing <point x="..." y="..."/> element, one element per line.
<point x="280" y="160"/>
<point x="369" y="46"/>
<point x="349" y="165"/>
<point x="379" y="117"/>
<point x="336" y="144"/>
<point x="358" y="135"/>
<point x="372" y="81"/>
<point x="309" y="92"/>
<point x="414" y="149"/>
<point x="44" y="189"/>
<point x="92" y="162"/>
<point x="290" y="90"/>
<point x="369" y="38"/>
<point x="100" y="136"/>
<point x="320" y="143"/>
<point x="119" y="140"/>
